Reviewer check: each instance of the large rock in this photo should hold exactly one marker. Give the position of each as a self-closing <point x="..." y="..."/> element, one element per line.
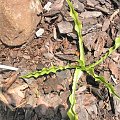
<point x="18" y="20"/>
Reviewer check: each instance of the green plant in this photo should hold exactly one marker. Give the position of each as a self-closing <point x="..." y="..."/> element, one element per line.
<point x="80" y="67"/>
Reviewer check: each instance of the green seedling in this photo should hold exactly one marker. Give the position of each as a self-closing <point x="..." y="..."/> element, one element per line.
<point x="81" y="67"/>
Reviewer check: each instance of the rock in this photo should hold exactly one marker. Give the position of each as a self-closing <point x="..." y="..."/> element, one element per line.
<point x="18" y="19"/>
<point x="47" y="6"/>
<point x="39" y="32"/>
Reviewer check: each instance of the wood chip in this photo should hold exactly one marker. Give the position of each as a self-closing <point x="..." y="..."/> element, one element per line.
<point x="88" y="14"/>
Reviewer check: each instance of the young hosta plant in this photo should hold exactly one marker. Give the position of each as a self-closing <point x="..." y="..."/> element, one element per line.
<point x="80" y="67"/>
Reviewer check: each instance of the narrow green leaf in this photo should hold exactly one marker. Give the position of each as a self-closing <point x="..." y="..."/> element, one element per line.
<point x="46" y="71"/>
<point x="110" y="51"/>
<point x="102" y="80"/>
<point x="78" y="72"/>
<point x="74" y="15"/>
<point x="117" y="42"/>
<point x="78" y="28"/>
<point x="71" y="112"/>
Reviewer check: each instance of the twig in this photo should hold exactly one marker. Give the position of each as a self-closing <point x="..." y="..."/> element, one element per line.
<point x="8" y="67"/>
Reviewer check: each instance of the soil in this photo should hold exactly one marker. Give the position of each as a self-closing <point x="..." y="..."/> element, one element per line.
<point x="46" y="98"/>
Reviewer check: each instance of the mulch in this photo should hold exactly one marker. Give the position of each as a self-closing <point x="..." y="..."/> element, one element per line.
<point x="46" y="98"/>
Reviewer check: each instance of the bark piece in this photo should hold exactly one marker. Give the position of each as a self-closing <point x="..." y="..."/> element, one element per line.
<point x="65" y="27"/>
<point x="78" y="5"/>
<point x="89" y="14"/>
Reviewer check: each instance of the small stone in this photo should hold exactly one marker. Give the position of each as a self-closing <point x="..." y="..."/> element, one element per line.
<point x="39" y="32"/>
<point x="65" y="27"/>
<point x="47" y="6"/>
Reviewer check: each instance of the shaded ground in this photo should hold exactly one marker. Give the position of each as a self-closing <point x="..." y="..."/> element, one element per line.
<point x="46" y="98"/>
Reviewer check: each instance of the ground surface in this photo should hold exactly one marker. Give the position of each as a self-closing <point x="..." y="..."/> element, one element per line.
<point x="46" y="98"/>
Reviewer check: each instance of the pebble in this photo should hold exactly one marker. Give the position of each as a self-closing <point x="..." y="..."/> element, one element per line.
<point x="47" y="6"/>
<point x="39" y="32"/>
